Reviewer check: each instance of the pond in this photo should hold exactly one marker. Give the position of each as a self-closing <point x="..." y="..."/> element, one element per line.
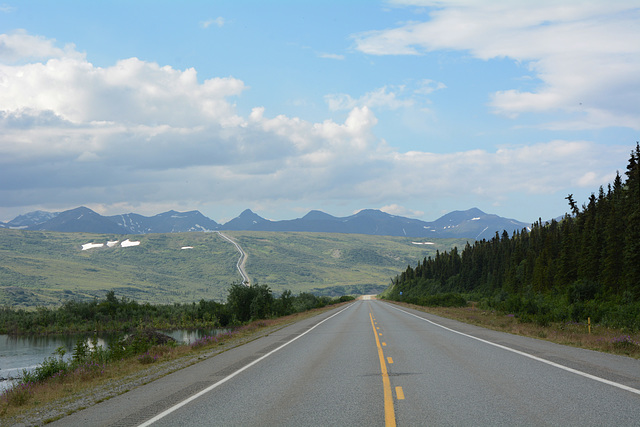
<point x="18" y="353"/>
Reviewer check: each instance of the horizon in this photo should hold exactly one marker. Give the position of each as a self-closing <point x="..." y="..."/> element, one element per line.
<point x="416" y="108"/>
<point x="268" y="219"/>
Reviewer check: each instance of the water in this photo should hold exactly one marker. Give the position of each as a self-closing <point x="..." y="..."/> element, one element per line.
<point x="18" y="353"/>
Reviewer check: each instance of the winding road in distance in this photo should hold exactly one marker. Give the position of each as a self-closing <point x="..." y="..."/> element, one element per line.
<point x="372" y="363"/>
<point x="241" y="261"/>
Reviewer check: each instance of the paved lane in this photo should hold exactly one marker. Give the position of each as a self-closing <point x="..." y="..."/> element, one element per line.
<point x="452" y="379"/>
<point x="377" y="364"/>
<point x="240" y="265"/>
<point x="328" y="377"/>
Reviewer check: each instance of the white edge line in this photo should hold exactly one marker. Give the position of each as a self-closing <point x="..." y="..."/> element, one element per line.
<point x="224" y="380"/>
<point x="530" y="356"/>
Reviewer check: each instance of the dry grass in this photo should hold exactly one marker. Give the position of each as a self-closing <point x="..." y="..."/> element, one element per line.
<point x="33" y="402"/>
<point x="573" y="334"/>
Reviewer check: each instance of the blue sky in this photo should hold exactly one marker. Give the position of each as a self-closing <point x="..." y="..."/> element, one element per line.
<point x="414" y="107"/>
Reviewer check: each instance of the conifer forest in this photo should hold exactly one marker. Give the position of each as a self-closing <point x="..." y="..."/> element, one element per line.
<point x="586" y="265"/>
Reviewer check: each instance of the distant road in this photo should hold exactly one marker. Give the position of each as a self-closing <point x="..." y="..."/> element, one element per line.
<point x="373" y="364"/>
<point x="241" y="261"/>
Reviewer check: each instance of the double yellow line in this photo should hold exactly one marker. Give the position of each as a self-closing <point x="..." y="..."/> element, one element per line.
<point x="389" y="412"/>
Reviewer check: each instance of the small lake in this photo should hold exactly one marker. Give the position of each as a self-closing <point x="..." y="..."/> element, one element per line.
<point x="27" y="352"/>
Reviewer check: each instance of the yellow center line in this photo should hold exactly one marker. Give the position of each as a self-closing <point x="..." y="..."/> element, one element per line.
<point x="390" y="360"/>
<point x="389" y="413"/>
<point x="399" y="393"/>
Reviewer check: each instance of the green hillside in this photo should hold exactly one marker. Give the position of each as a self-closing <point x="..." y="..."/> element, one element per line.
<point x="354" y="263"/>
<point x="48" y="268"/>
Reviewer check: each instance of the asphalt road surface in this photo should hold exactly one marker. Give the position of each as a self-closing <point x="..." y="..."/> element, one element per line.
<point x="372" y="364"/>
<point x="240" y="265"/>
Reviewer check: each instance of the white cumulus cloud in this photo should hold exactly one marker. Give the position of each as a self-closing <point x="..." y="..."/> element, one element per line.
<point x="585" y="54"/>
<point x="142" y="136"/>
<point x="20" y="45"/>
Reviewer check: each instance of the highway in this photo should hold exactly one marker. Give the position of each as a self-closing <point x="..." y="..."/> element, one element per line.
<point x="372" y="363"/>
<point x="241" y="261"/>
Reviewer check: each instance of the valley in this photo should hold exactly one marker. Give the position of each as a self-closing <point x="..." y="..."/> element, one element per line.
<point x="45" y="268"/>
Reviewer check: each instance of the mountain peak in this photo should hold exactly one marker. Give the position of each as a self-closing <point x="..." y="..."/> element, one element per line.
<point x="166" y="222"/>
<point x="247" y="220"/>
<point x="31" y="219"/>
<point x="316" y="215"/>
<point x="472" y="223"/>
<point x="475" y="212"/>
<point x="373" y="213"/>
<point x="81" y="219"/>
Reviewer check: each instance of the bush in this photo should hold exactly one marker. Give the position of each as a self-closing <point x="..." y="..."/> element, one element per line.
<point x="249" y="302"/>
<point x="19" y="394"/>
<point x="80" y="351"/>
<point x="624" y="343"/>
<point x="50" y="367"/>
<point x="439" y="300"/>
<point x="147" y="358"/>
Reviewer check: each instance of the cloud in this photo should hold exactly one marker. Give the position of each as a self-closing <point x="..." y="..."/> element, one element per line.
<point x="5" y="8"/>
<point x="218" y="22"/>
<point x="20" y="46"/>
<point x="330" y="56"/>
<point x="428" y="86"/>
<point x="141" y="135"/>
<point x="390" y="97"/>
<point x="132" y="91"/>
<point x="395" y="209"/>
<point x="378" y="98"/>
<point x="585" y="54"/>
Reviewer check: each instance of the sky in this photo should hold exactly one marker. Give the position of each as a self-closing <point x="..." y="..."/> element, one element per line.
<point x="414" y="107"/>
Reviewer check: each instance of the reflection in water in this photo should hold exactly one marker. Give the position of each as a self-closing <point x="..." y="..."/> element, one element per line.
<point x="27" y="352"/>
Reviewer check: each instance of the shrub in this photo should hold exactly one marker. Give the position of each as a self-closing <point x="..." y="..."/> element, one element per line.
<point x="624" y="343"/>
<point x="147" y="358"/>
<point x="88" y="370"/>
<point x="50" y="367"/>
<point x="19" y="394"/>
<point x="440" y="300"/>
<point x="80" y="351"/>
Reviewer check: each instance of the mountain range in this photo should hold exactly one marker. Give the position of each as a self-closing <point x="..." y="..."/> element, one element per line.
<point x="472" y="223"/>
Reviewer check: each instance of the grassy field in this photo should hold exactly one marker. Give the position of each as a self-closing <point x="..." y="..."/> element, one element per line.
<point x="331" y="264"/>
<point x="48" y="268"/>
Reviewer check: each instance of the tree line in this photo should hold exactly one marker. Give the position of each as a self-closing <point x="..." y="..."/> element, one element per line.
<point x="585" y="265"/>
<point x="244" y="304"/>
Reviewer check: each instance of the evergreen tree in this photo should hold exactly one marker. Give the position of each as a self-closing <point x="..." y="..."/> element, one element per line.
<point x="592" y="254"/>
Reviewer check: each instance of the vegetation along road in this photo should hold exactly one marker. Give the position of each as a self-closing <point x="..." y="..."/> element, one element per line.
<point x="241" y="261"/>
<point x="373" y="363"/>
